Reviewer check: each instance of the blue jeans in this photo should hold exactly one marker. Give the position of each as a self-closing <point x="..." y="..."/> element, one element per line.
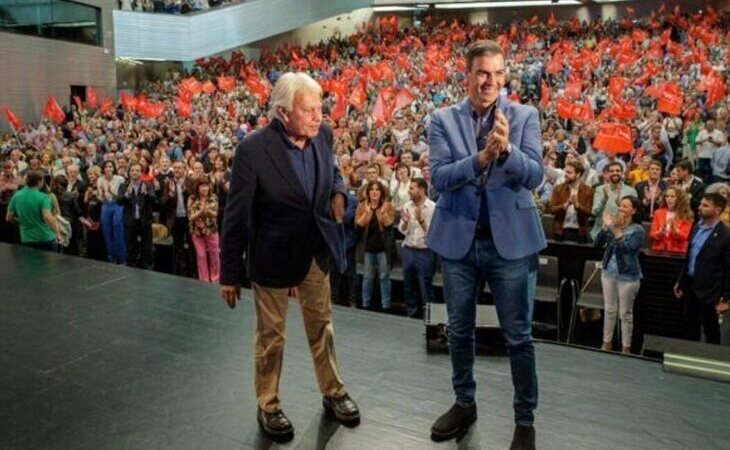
<point x="418" y="268"/>
<point x="508" y="281"/>
<point x="376" y="264"/>
<point x="112" y="226"/>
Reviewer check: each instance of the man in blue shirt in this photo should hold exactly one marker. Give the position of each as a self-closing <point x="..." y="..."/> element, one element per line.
<point x="704" y="282"/>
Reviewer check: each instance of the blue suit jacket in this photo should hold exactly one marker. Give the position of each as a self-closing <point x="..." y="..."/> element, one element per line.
<point x="516" y="227"/>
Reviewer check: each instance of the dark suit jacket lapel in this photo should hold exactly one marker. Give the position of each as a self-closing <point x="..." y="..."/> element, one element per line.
<point x="320" y="153"/>
<point x="277" y="152"/>
<point x="714" y="234"/>
<point x="466" y="126"/>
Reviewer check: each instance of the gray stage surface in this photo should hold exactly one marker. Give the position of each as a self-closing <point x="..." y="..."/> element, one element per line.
<point x="95" y="356"/>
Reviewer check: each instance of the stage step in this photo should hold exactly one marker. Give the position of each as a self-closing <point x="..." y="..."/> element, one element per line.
<point x="697" y="367"/>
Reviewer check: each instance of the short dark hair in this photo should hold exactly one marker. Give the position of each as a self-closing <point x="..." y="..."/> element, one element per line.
<point x="34" y="178"/>
<point x="611" y="164"/>
<point x="577" y="166"/>
<point x="656" y="162"/>
<point x="636" y="203"/>
<point x="421" y="183"/>
<point x="686" y="165"/>
<point x="486" y="47"/>
<point x="716" y="199"/>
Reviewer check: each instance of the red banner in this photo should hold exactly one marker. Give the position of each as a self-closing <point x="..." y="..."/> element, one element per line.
<point x="183" y="108"/>
<point x="544" y="94"/>
<point x="107" y="106"/>
<point x="226" y="84"/>
<point x="208" y="87"/>
<point x="79" y="103"/>
<point x="614" y="137"/>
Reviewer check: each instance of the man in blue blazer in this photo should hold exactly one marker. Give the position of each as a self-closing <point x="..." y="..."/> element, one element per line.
<point x="284" y="211"/>
<point x="485" y="156"/>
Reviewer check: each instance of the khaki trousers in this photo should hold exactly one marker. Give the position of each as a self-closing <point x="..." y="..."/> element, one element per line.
<point x="271" y="306"/>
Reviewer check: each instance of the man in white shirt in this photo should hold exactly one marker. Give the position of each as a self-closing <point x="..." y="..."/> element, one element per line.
<point x="419" y="262"/>
<point x="708" y="140"/>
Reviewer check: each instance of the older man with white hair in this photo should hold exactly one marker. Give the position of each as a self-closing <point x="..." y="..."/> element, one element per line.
<point x="284" y="211"/>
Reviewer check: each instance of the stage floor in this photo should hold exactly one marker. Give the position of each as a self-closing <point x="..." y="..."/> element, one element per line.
<point x="95" y="356"/>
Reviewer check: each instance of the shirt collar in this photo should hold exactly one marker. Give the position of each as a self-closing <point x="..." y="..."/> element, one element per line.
<point x="475" y="115"/>
<point x="279" y="127"/>
<point x="704" y="227"/>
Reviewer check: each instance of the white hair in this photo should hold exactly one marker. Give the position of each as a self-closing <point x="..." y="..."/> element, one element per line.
<point x="287" y="87"/>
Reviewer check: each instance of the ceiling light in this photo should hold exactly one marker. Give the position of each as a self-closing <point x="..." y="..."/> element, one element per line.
<point x="473" y="5"/>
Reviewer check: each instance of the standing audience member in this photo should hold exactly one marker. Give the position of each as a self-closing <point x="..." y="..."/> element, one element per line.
<point x="419" y="262"/>
<point x="607" y="196"/>
<point x="139" y="201"/>
<point x="112" y="214"/>
<point x="692" y="185"/>
<point x="374" y="216"/>
<point x="704" y="282"/>
<point x="9" y="183"/>
<point x="177" y="190"/>
<point x="203" y="220"/>
<point x="571" y="204"/>
<point x="651" y="190"/>
<point x="708" y="140"/>
<point x="671" y="225"/>
<point x="621" y="235"/>
<point x="31" y="210"/>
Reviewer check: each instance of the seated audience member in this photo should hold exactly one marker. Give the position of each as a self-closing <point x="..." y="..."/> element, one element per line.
<point x="671" y="224"/>
<point x="621" y="235"/>
<point x="374" y="217"/>
<point x="651" y="190"/>
<point x="703" y="281"/>
<point x="571" y="203"/>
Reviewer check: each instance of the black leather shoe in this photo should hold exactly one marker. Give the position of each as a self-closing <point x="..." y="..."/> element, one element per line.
<point x="275" y="425"/>
<point x="344" y="409"/>
<point x="454" y="422"/>
<point x="524" y="438"/>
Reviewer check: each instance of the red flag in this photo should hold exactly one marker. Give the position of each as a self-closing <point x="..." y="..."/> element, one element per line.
<point x="340" y="108"/>
<point x="670" y="102"/>
<point x="403" y="99"/>
<point x="226" y="84"/>
<point x="183" y="108"/>
<point x="534" y="20"/>
<point x="208" y="87"/>
<point x="128" y="101"/>
<point x="551" y="22"/>
<point x="573" y="89"/>
<point x="191" y="85"/>
<point x="544" y="94"/>
<point x="79" y="103"/>
<point x="106" y="106"/>
<point x="358" y="97"/>
<point x="91" y="98"/>
<point x="621" y="110"/>
<point x="587" y="112"/>
<point x="384" y="104"/>
<point x="231" y="109"/>
<point x="362" y="49"/>
<point x="53" y="111"/>
<point x="714" y="85"/>
<point x="13" y="120"/>
<point x="554" y="65"/>
<point x="402" y="62"/>
<point x="616" y="86"/>
<point x="614" y="137"/>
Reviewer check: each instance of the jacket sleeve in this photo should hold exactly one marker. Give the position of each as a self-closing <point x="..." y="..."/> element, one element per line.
<point x="524" y="163"/>
<point x="629" y="243"/>
<point x="234" y="238"/>
<point x="585" y="207"/>
<point x="447" y="174"/>
<point x="556" y="201"/>
<point x="726" y="268"/>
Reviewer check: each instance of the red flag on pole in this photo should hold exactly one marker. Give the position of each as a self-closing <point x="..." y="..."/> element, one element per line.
<point x="340" y="108"/>
<point x="91" y="98"/>
<point x="551" y="22"/>
<point x="128" y="101"/>
<point x="544" y="94"/>
<point x="106" y="106"/>
<point x="573" y="89"/>
<point x="53" y="111"/>
<point x="357" y="97"/>
<point x="13" y="120"/>
<point x="79" y="103"/>
<point x="616" y="86"/>
<point x="191" y="85"/>
<point x="613" y="137"/>
<point x="403" y="99"/>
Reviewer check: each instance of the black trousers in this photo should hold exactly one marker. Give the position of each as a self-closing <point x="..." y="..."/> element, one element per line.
<point x="182" y="261"/>
<point x="347" y="280"/>
<point x="698" y="317"/>
<point x="140" y="251"/>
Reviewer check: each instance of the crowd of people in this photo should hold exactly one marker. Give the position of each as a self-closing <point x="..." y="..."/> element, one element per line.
<point x="172" y="6"/>
<point x="123" y="177"/>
